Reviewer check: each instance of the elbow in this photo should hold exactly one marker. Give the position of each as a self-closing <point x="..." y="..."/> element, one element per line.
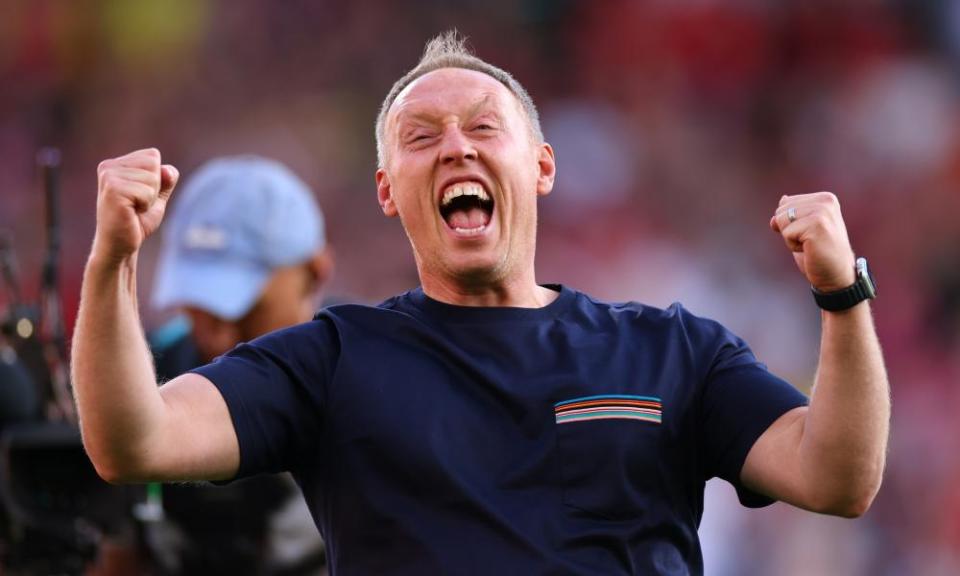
<point x="853" y="508"/>
<point x="108" y="469"/>
<point x="110" y="474"/>
<point x="113" y="473"/>
<point x="103" y="465"/>
<point x="115" y="468"/>
<point x="852" y="500"/>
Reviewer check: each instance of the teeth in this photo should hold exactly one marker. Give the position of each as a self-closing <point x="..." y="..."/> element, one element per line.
<point x="464" y="189"/>
<point x="469" y="231"/>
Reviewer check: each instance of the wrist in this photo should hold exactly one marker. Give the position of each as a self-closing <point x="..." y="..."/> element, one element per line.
<point x="105" y="258"/>
<point x="104" y="270"/>
<point x="841" y="283"/>
<point x="861" y="288"/>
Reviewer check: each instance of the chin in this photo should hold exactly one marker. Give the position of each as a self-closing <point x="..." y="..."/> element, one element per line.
<point x="476" y="270"/>
<point x="473" y="274"/>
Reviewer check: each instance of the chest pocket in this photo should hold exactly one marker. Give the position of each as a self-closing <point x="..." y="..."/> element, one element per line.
<point x="610" y="453"/>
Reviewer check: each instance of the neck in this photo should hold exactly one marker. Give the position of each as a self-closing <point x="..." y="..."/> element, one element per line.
<point x="526" y="294"/>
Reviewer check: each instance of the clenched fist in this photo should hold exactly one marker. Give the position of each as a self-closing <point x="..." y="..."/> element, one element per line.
<point x="132" y="196"/>
<point x="812" y="227"/>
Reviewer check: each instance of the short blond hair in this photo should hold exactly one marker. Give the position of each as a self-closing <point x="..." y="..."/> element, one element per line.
<point x="449" y="50"/>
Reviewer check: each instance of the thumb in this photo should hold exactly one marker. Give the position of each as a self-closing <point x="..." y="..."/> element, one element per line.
<point x="169" y="175"/>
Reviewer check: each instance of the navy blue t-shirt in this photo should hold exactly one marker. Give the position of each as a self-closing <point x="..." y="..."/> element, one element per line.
<point x="437" y="439"/>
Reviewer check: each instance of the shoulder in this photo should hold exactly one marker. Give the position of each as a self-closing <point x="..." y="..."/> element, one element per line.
<point x="371" y="319"/>
<point x="321" y="331"/>
<point x="639" y="312"/>
<point x="675" y="324"/>
<point x="341" y="317"/>
<point x="347" y="310"/>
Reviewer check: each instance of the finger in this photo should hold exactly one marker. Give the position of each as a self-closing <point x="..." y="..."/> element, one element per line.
<point x="814" y="197"/>
<point x="781" y="218"/>
<point x="787" y="215"/>
<point x="146" y="158"/>
<point x="808" y="204"/>
<point x="795" y="231"/>
<point x="778" y="222"/>
<point x="120" y="174"/>
<point x="142" y="196"/>
<point x="793" y="243"/>
<point x="169" y="176"/>
<point x="808" y="200"/>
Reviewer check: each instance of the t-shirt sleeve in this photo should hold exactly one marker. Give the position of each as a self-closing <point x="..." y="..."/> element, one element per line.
<point x="275" y="390"/>
<point x="739" y="401"/>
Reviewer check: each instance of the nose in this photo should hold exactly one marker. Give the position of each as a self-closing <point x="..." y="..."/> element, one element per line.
<point x="456" y="147"/>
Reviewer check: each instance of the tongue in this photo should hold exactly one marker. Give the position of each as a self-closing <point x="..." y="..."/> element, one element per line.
<point x="468" y="218"/>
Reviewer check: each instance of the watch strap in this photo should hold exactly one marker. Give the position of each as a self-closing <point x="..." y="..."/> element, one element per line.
<point x="862" y="289"/>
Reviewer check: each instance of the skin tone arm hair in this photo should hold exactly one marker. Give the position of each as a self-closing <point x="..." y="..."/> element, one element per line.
<point x="132" y="429"/>
<point x="828" y="457"/>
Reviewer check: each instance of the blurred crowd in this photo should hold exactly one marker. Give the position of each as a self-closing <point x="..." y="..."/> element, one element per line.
<point x="677" y="124"/>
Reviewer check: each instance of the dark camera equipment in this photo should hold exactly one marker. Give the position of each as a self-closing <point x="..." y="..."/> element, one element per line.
<point x="35" y="333"/>
<point x="57" y="506"/>
<point x="54" y="508"/>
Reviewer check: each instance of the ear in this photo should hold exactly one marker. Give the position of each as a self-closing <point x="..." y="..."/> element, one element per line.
<point x="384" y="195"/>
<point x="547" y="169"/>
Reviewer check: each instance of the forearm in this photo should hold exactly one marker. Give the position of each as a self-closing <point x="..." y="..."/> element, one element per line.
<point x="844" y="441"/>
<point x="112" y="370"/>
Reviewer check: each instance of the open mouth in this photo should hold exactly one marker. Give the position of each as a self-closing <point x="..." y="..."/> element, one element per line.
<point x="466" y="208"/>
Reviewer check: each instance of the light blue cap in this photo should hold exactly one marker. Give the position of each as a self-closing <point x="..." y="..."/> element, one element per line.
<point x="232" y="223"/>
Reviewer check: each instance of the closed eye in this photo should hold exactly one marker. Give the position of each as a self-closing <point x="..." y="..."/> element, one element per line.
<point x="419" y="137"/>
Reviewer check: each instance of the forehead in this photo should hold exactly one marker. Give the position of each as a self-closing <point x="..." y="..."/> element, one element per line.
<point x="451" y="90"/>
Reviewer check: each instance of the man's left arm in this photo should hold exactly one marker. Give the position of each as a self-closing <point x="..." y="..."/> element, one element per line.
<point x="828" y="457"/>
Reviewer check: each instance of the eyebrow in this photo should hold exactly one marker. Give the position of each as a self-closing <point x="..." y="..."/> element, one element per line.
<point x="475" y="109"/>
<point x="479" y="104"/>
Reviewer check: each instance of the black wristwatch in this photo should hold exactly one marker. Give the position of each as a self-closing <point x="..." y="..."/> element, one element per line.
<point x="863" y="288"/>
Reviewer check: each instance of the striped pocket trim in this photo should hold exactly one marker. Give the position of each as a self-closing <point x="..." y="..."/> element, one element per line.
<point x="609" y="406"/>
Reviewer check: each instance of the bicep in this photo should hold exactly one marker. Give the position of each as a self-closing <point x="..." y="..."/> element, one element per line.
<point x="197" y="440"/>
<point x="773" y="466"/>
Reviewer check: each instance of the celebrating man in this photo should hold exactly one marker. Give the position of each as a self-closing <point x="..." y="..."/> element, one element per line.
<point x="483" y="423"/>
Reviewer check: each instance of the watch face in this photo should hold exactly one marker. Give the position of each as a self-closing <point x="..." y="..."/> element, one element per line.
<point x="865" y="279"/>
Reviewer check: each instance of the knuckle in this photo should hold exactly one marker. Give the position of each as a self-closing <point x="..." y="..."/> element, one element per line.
<point x="108" y="182"/>
<point x="823" y="220"/>
<point x="829" y="198"/>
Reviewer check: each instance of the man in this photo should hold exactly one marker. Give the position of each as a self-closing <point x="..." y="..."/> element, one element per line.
<point x="483" y="423"/>
<point x="244" y="253"/>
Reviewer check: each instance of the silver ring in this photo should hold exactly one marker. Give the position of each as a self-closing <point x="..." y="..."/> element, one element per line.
<point x="792" y="214"/>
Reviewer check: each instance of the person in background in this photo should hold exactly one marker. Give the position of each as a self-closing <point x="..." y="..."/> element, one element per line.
<point x="244" y="254"/>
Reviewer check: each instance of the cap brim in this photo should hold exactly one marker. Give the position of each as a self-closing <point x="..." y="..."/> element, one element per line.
<point x="227" y="289"/>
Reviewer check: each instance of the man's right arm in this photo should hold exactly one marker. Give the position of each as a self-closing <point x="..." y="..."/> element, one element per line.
<point x="133" y="430"/>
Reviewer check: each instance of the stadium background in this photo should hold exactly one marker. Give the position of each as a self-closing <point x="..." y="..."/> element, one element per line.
<point x="677" y="125"/>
